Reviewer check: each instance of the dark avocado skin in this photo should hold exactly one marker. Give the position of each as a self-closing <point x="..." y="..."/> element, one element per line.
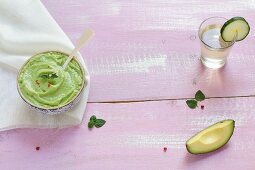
<point x="230" y="21"/>
<point x="217" y="148"/>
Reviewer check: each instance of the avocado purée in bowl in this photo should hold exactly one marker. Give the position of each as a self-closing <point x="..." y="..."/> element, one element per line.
<point x="45" y="86"/>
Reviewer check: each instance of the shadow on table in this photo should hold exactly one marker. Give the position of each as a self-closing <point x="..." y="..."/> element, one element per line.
<point x="211" y="78"/>
<point x="190" y="159"/>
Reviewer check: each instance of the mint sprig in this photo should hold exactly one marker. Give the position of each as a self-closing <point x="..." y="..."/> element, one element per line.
<point x="199" y="96"/>
<point x="93" y="121"/>
<point x="49" y="76"/>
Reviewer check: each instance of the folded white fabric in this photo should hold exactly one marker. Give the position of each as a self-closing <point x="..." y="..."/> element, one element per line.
<point x="26" y="28"/>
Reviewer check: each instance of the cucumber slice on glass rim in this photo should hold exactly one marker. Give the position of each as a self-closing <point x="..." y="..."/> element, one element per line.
<point x="236" y="25"/>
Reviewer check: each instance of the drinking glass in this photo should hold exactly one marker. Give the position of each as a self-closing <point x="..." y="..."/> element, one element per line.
<point x="214" y="50"/>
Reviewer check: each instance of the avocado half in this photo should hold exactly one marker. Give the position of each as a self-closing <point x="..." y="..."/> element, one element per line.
<point x="211" y="138"/>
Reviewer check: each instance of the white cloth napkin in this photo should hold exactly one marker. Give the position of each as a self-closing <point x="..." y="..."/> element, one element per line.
<point x="26" y="28"/>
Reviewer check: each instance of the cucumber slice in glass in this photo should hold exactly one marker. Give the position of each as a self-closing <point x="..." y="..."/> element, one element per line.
<point x="236" y="25"/>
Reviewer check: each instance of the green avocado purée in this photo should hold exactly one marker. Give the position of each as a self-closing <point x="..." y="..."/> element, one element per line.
<point x="44" y="83"/>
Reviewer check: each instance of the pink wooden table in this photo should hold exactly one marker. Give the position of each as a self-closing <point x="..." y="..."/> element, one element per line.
<point x="144" y="63"/>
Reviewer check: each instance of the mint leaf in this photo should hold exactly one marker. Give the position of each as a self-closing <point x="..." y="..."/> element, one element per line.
<point x="54" y="75"/>
<point x="93" y="118"/>
<point x="99" y="123"/>
<point x="44" y="76"/>
<point x="192" y="104"/>
<point x="91" y="124"/>
<point x="199" y="96"/>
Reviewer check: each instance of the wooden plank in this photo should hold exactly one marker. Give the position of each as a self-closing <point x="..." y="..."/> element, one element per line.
<point x="150" y="50"/>
<point x="134" y="137"/>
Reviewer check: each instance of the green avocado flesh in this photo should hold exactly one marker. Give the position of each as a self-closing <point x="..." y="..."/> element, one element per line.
<point x="211" y="138"/>
<point x="50" y="92"/>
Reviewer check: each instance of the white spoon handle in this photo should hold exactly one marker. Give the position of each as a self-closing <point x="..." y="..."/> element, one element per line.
<point x="86" y="36"/>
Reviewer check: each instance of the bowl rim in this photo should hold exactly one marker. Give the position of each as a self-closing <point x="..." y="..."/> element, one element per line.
<point x="84" y="82"/>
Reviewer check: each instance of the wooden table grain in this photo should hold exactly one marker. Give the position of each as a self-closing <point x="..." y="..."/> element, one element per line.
<point x="144" y="63"/>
